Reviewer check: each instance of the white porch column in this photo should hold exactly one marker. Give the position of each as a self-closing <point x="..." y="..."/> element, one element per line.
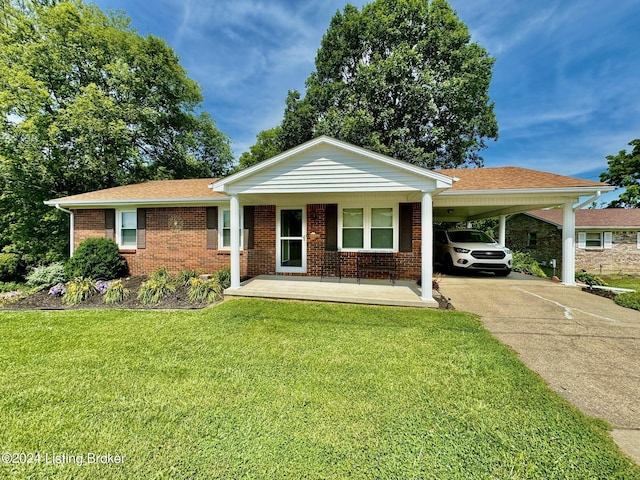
<point x="427" y="247"/>
<point x="568" y="244"/>
<point x="502" y="230"/>
<point x="235" y="241"/>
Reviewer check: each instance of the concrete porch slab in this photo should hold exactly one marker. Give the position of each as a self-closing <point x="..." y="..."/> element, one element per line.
<point x="329" y="289"/>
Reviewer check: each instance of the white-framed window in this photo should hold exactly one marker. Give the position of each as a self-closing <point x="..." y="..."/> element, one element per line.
<point x="127" y="228"/>
<point x="224" y="229"/>
<point x="593" y="240"/>
<point x="368" y="228"/>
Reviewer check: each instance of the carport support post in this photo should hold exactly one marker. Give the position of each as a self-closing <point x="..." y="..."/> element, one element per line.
<point x="502" y="230"/>
<point x="427" y="246"/>
<point x="234" y="213"/>
<point x="568" y="244"/>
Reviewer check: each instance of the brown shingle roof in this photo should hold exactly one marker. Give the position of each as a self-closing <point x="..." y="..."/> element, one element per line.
<point x="603" y="217"/>
<point x="512" y="178"/>
<point x="154" y="191"/>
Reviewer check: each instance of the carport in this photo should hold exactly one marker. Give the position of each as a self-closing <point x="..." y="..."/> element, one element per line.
<point x="498" y="192"/>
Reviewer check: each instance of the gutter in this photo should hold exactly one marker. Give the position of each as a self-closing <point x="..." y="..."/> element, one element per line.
<point x="588" y="200"/>
<point x="71" y="227"/>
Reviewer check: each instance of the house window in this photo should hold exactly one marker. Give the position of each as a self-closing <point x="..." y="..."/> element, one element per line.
<point x="225" y="230"/>
<point x="593" y="240"/>
<point x="353" y="228"/>
<point x="126" y="228"/>
<point x="533" y="239"/>
<point x="364" y="228"/>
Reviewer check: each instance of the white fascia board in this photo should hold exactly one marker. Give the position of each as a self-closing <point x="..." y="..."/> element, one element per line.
<point x="580" y="191"/>
<point x="607" y="228"/>
<point x="443" y="181"/>
<point x="139" y="201"/>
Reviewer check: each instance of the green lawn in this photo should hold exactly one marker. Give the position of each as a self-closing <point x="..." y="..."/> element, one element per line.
<point x="622" y="281"/>
<point x="260" y="389"/>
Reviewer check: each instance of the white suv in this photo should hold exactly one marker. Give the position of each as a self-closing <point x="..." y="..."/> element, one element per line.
<point x="470" y="250"/>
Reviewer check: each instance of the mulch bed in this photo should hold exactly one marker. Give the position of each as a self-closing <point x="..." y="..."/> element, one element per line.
<point x="43" y="301"/>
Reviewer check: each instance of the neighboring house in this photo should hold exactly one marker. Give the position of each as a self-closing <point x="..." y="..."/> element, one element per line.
<point x="323" y="208"/>
<point x="608" y="240"/>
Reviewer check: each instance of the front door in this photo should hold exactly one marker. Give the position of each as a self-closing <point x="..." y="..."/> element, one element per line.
<point x="291" y="248"/>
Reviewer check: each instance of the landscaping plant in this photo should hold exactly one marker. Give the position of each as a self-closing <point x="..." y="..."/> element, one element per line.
<point x="184" y="276"/>
<point x="47" y="275"/>
<point x="116" y="292"/>
<point x="78" y="290"/>
<point x="224" y="277"/>
<point x="204" y="290"/>
<point x="523" y="262"/>
<point x="159" y="285"/>
<point x="590" y="279"/>
<point x="628" y="300"/>
<point x="97" y="258"/>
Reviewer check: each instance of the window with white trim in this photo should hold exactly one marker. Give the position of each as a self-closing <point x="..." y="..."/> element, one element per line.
<point x="225" y="230"/>
<point x="368" y="228"/>
<point x="593" y="240"/>
<point x="127" y="228"/>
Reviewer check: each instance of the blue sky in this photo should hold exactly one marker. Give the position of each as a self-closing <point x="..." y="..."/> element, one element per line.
<point x="565" y="84"/>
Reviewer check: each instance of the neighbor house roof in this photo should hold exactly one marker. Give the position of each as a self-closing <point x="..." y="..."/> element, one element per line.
<point x="594" y="218"/>
<point x="514" y="178"/>
<point x="155" y="191"/>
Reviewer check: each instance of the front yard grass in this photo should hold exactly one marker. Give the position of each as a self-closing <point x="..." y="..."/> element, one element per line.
<point x="266" y="389"/>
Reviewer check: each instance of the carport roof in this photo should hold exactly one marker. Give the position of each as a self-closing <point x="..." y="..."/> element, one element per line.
<point x="513" y="178"/>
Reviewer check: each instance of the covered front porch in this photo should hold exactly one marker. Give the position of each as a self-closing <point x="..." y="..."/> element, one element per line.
<point x="345" y="290"/>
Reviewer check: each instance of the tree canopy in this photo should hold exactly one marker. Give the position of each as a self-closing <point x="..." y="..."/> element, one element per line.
<point x="87" y="103"/>
<point x="400" y="77"/>
<point x="624" y="171"/>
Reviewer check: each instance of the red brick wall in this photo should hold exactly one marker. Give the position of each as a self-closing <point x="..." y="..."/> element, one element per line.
<point x="176" y="239"/>
<point x="87" y="224"/>
<point x="184" y="246"/>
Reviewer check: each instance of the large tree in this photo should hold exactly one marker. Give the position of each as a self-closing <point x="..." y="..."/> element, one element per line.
<point x="624" y="171"/>
<point x="401" y="77"/>
<point x="87" y="103"/>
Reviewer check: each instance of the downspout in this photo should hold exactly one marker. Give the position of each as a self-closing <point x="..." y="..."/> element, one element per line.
<point x="71" y="227"/>
<point x="588" y="200"/>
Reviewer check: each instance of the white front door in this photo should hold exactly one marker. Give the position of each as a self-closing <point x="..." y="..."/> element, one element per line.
<point x="291" y="241"/>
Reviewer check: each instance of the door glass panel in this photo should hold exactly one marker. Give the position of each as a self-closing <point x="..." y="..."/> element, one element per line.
<point x="291" y="223"/>
<point x="291" y="253"/>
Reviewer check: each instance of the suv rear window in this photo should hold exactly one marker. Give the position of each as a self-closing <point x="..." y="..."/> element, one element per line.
<point x="470" y="237"/>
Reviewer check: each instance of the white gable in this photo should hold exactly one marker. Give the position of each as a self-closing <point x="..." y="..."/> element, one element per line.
<point x="326" y="165"/>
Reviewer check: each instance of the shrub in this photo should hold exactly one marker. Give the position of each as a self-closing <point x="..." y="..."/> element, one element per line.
<point x="590" y="279"/>
<point x="184" y="277"/>
<point x="523" y="262"/>
<point x="159" y="285"/>
<point x="204" y="290"/>
<point x="629" y="300"/>
<point x="97" y="258"/>
<point x="10" y="267"/>
<point x="224" y="277"/>
<point x="78" y="290"/>
<point x="116" y="292"/>
<point x="47" y="276"/>
<point x="10" y="287"/>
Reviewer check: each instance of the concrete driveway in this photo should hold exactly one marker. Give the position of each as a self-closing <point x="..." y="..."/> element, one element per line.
<point x="586" y="347"/>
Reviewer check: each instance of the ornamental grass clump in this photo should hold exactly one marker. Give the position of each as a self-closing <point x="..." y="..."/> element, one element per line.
<point x="204" y="290"/>
<point x="224" y="277"/>
<point x="78" y="290"/>
<point x="116" y="293"/>
<point x="185" y="275"/>
<point x="159" y="285"/>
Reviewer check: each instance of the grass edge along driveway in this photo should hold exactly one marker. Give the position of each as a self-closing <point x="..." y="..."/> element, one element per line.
<point x="267" y="389"/>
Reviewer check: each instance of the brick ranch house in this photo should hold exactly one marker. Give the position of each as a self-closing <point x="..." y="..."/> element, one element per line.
<point x="608" y="240"/>
<point x="325" y="207"/>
